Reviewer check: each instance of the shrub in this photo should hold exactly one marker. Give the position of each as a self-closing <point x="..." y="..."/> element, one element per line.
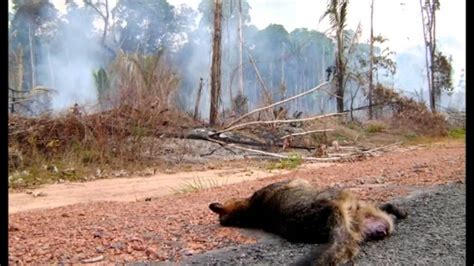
<point x="375" y="128"/>
<point x="409" y="114"/>
<point x="457" y="133"/>
<point x="291" y="162"/>
<point x="136" y="107"/>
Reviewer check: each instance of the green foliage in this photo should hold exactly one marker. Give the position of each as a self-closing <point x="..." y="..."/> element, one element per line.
<point x="375" y="128"/>
<point x="148" y="23"/>
<point x="442" y="73"/>
<point x="291" y="162"/>
<point x="411" y="136"/>
<point x="102" y="82"/>
<point x="229" y="12"/>
<point x="139" y="131"/>
<point x="340" y="137"/>
<point x="457" y="133"/>
<point x="319" y="138"/>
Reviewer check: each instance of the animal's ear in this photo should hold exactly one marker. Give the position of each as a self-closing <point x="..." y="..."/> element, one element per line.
<point x="217" y="208"/>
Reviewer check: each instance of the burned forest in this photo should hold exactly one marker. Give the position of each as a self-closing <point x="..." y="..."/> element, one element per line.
<point x="188" y="102"/>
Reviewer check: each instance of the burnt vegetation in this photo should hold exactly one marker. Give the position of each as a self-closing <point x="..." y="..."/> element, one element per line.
<point x="84" y="97"/>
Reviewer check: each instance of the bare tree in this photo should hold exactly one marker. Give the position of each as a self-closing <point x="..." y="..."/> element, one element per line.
<point x="428" y="16"/>
<point x="198" y="100"/>
<point x="32" y="58"/>
<point x="371" y="59"/>
<point x="216" y="64"/>
<point x="104" y="13"/>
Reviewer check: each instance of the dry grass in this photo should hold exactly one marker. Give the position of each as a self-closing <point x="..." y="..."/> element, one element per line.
<point x="410" y="115"/>
<point x="198" y="184"/>
<point x="72" y="145"/>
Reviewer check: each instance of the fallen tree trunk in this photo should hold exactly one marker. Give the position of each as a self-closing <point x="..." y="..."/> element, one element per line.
<point x="314" y="159"/>
<point x="209" y="135"/>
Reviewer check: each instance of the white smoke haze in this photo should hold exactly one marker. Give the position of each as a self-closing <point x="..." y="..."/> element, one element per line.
<point x="74" y="81"/>
<point x="73" y="57"/>
<point x="77" y="53"/>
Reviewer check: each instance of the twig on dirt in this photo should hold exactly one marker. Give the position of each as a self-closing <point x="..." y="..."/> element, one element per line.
<point x="382" y="147"/>
<point x="93" y="260"/>
<point x="306" y="132"/>
<point x="279" y="121"/>
<point x="329" y="159"/>
<point x="277" y="103"/>
<point x="216" y="149"/>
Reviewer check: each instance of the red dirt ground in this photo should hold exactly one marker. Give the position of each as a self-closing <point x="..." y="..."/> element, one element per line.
<point x="173" y="226"/>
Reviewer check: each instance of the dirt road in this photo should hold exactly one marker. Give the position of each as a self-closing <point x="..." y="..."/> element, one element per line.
<point x="135" y="188"/>
<point x="173" y="227"/>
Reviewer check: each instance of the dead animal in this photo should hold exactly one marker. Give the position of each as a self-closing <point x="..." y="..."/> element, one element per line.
<point x="300" y="212"/>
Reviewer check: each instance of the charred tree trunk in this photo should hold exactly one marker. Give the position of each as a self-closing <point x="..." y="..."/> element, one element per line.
<point x="198" y="100"/>
<point x="340" y="71"/>
<point x="339" y="90"/>
<point x="32" y="59"/>
<point x="216" y="64"/>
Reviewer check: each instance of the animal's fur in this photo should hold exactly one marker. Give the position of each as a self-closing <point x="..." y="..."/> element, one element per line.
<point x="299" y="212"/>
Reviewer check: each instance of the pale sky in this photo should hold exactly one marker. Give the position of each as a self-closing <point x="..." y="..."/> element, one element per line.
<point x="397" y="20"/>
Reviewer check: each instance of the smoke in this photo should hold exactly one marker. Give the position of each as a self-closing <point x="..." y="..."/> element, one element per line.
<point x="411" y="78"/>
<point x="71" y="59"/>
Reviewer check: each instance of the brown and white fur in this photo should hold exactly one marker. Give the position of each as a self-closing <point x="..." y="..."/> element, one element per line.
<point x="299" y="212"/>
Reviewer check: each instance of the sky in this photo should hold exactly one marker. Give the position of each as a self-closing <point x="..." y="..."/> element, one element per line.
<point x="397" y="20"/>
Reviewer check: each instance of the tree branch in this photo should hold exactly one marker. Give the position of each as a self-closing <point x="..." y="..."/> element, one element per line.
<point x="277" y="103"/>
<point x="279" y="121"/>
<point x="306" y="132"/>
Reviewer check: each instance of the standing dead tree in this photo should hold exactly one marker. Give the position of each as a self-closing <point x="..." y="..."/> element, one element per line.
<point x="198" y="100"/>
<point x="216" y="63"/>
<point x="267" y="96"/>
<point x="428" y="16"/>
<point x="103" y="13"/>
<point x="438" y="66"/>
<point x="371" y="60"/>
<point x="32" y="58"/>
